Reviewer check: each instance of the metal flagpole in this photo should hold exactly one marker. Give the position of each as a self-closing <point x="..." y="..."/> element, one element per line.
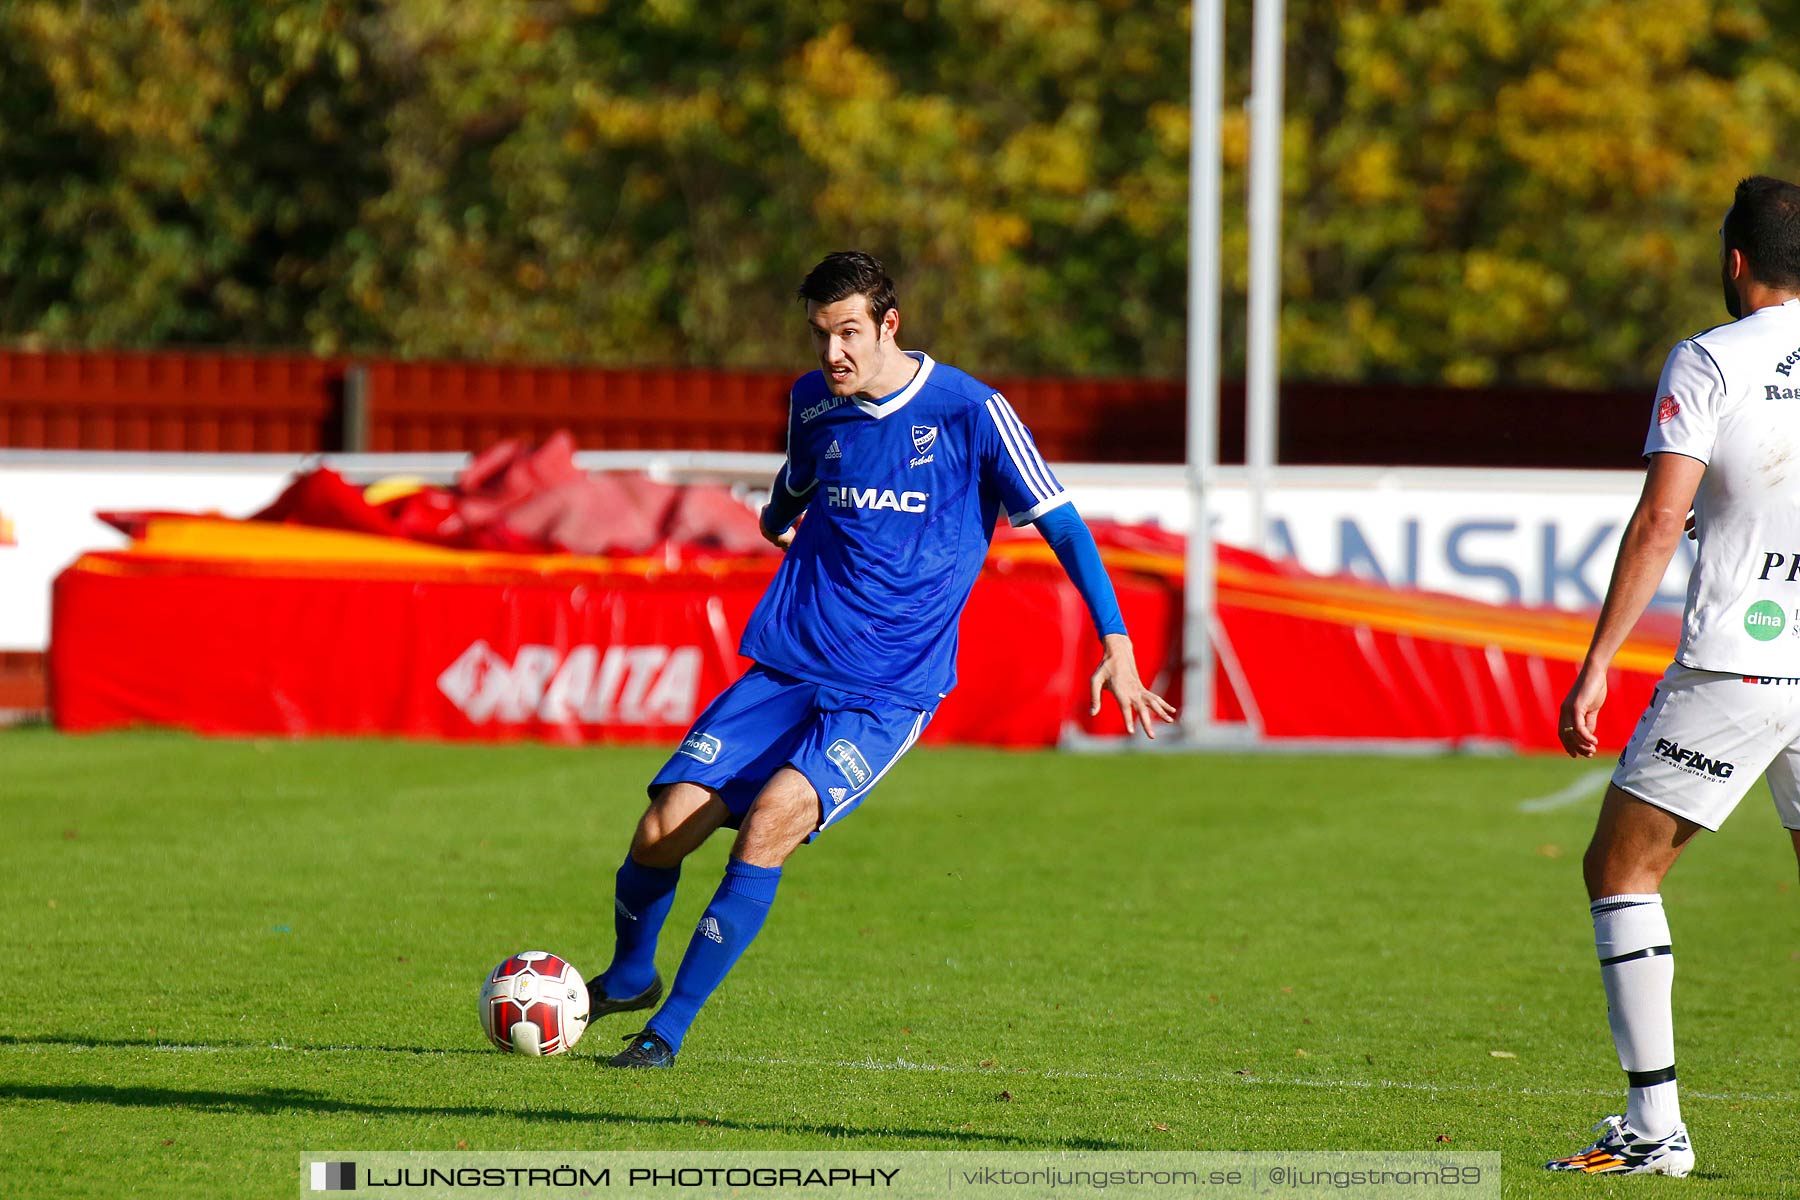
<point x="1206" y="92"/>
<point x="1263" y="328"/>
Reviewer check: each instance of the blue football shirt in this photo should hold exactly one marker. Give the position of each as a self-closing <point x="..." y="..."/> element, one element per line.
<point x="902" y="496"/>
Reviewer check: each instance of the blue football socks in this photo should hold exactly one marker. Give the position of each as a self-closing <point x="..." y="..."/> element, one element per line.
<point x="729" y="925"/>
<point x="640" y="906"/>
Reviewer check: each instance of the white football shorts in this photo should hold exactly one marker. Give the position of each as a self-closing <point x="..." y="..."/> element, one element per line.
<point x="1705" y="739"/>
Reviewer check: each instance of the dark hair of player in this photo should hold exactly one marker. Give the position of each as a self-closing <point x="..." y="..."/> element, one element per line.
<point x="1764" y="225"/>
<point x="850" y="273"/>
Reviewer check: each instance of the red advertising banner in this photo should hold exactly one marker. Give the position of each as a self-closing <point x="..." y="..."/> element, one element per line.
<point x="235" y="628"/>
<point x="251" y="653"/>
<point x="632" y="661"/>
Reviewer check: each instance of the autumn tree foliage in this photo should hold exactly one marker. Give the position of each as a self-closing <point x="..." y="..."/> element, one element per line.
<point x="1476" y="190"/>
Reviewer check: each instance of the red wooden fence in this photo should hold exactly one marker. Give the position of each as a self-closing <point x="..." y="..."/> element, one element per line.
<point x="188" y="402"/>
<point x="274" y="403"/>
<point x="427" y="406"/>
<point x="269" y="403"/>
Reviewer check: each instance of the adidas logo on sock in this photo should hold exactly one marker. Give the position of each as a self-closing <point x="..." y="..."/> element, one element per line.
<point x="709" y="928"/>
<point x="834" y="452"/>
<point x="838" y="794"/>
<point x="626" y="912"/>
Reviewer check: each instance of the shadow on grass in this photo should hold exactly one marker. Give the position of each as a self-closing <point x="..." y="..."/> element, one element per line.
<point x="152" y="1043"/>
<point x="276" y="1101"/>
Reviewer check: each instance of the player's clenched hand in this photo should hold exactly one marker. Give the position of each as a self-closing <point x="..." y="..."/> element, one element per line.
<point x="782" y="540"/>
<point x="1118" y="674"/>
<point x="1581" y="713"/>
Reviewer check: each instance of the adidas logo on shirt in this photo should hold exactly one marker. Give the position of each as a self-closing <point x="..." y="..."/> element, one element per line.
<point x="709" y="928"/>
<point x="834" y="452"/>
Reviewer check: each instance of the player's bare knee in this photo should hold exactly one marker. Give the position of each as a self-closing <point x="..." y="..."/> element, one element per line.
<point x="786" y="812"/>
<point x="1596" y="860"/>
<point x="783" y="816"/>
<point x="1635" y="843"/>
<point x="673" y="826"/>
<point x="1593" y="868"/>
<point x="1610" y="868"/>
<point x="769" y="843"/>
<point x="651" y="845"/>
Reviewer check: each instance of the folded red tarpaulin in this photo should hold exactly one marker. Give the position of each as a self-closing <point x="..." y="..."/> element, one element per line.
<point x="528" y="500"/>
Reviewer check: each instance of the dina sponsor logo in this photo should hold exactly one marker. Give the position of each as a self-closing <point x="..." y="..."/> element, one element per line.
<point x="848" y="759"/>
<point x="1764" y="620"/>
<point x="871" y="499"/>
<point x="1694" y="762"/>
<point x="703" y="746"/>
<point x="582" y="685"/>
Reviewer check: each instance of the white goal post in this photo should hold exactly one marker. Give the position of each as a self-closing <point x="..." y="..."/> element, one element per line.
<point x="1262" y="366"/>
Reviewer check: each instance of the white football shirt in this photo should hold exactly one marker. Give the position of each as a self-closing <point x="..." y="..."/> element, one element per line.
<point x="1730" y="397"/>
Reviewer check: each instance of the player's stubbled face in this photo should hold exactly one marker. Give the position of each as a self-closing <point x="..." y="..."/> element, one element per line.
<point x="850" y="345"/>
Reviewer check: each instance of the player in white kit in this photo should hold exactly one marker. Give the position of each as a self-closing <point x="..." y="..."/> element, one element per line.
<point x="1725" y="442"/>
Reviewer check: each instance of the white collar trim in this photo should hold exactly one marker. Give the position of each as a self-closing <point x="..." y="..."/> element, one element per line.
<point x="906" y="394"/>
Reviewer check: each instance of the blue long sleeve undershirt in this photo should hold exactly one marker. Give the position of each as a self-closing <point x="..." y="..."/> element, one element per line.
<point x="1074" y="546"/>
<point x="784" y="508"/>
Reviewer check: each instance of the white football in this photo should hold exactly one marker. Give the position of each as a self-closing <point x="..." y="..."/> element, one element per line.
<point x="534" y="1003"/>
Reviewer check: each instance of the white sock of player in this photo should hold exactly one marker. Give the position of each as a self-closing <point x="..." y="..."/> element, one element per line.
<point x="1631" y="935"/>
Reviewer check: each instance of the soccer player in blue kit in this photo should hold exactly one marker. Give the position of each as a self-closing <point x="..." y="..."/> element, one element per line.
<point x="901" y="466"/>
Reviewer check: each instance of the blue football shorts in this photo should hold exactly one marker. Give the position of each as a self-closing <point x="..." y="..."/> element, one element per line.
<point x="843" y="743"/>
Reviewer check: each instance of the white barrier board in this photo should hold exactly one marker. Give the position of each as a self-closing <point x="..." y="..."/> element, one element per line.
<point x="1538" y="537"/>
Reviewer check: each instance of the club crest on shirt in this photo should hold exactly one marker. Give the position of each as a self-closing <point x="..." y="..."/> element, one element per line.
<point x="924" y="438"/>
<point x="1666" y="409"/>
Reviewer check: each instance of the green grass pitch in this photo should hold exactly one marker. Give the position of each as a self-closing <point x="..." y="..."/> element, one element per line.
<point x="219" y="954"/>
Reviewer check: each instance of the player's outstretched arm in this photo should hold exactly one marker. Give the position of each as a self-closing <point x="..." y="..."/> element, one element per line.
<point x="1070" y="538"/>
<point x="1118" y="674"/>
<point x="1649" y="542"/>
<point x="776" y="521"/>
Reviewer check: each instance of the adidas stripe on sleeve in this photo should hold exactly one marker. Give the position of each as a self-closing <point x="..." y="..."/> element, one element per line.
<point x="1011" y="463"/>
<point x="799" y="475"/>
<point x="794" y="484"/>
